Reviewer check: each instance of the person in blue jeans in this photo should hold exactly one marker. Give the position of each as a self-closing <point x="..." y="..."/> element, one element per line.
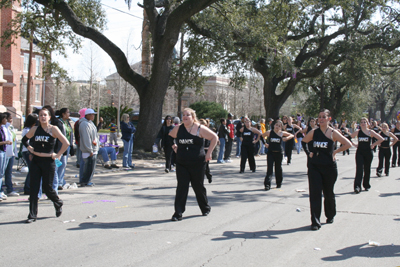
<point x="104" y="151"/>
<point x="223" y="136"/>
<point x="127" y="131"/>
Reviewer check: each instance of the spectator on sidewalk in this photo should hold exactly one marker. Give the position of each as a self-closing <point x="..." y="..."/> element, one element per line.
<point x="113" y="132"/>
<point x="89" y="145"/>
<point x="127" y="130"/>
<point x="230" y="137"/>
<point x="77" y="138"/>
<point x="222" y="135"/>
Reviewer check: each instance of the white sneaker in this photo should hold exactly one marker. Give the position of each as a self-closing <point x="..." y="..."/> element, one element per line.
<point x="228" y="161"/>
<point x="3" y="196"/>
<point x="13" y="194"/>
<point x="66" y="186"/>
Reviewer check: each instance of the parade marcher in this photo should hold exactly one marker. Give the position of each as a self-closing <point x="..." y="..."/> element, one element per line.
<point x="298" y="136"/>
<point x="346" y="133"/>
<point x="239" y="137"/>
<point x="11" y="152"/>
<point x="30" y="121"/>
<point x="113" y="132"/>
<point x="290" y="128"/>
<point x="89" y="144"/>
<point x="64" y="118"/>
<point x="191" y="161"/>
<point x="396" y="146"/>
<point x="43" y="163"/>
<point x="206" y="146"/>
<point x="163" y="135"/>
<point x="376" y="129"/>
<point x="274" y="155"/>
<point x="229" y="140"/>
<point x="322" y="168"/>
<point x="223" y="136"/>
<point x="127" y="130"/>
<point x="384" y="149"/>
<point x="248" y="145"/>
<point x="364" y="154"/>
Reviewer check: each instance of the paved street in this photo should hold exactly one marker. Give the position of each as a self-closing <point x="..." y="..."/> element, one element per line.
<point x="247" y="226"/>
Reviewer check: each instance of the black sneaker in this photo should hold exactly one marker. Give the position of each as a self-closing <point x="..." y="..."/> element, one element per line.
<point x="30" y="220"/>
<point x="315" y="227"/>
<point x="167" y="170"/>
<point x="58" y="207"/>
<point x="378" y="174"/>
<point x="357" y="190"/>
<point x="329" y="220"/>
<point x="267" y="187"/>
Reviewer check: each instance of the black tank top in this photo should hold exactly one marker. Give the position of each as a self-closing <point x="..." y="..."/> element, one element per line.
<point x="322" y="149"/>
<point x="309" y="128"/>
<point x="386" y="140"/>
<point x="248" y="136"/>
<point x="274" y="142"/>
<point x="344" y="132"/>
<point x="44" y="142"/>
<point x="364" y="142"/>
<point x="190" y="147"/>
<point x="290" y="129"/>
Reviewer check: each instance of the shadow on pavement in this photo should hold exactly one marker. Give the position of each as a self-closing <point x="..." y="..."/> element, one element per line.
<point x="260" y="234"/>
<point x="389" y="194"/>
<point x="364" y="250"/>
<point x="24" y="221"/>
<point x="124" y="225"/>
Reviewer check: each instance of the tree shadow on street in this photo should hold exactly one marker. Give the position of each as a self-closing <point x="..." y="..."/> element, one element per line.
<point x="364" y="250"/>
<point x="269" y="234"/>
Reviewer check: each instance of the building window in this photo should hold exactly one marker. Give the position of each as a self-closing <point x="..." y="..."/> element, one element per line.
<point x="37" y="92"/>
<point x="37" y="68"/>
<point x="26" y="62"/>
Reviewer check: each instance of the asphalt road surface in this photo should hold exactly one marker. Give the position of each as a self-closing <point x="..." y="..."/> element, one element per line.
<point x="125" y="221"/>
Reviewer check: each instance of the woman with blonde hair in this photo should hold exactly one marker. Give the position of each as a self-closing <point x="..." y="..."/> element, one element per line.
<point x="364" y="154"/>
<point x="191" y="161"/>
<point x="384" y="149"/>
<point x="127" y="130"/>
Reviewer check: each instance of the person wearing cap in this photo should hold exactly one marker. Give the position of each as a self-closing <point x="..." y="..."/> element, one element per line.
<point x="89" y="145"/>
<point x="76" y="134"/>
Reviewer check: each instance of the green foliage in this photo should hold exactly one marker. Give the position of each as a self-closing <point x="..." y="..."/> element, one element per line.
<point x="108" y="113"/>
<point x="210" y="110"/>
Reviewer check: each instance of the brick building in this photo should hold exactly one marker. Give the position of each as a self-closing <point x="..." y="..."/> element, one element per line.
<point x="15" y="62"/>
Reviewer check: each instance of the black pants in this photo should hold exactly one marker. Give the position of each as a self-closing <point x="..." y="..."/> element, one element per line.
<point x="363" y="167"/>
<point x="190" y="173"/>
<point x="396" y="154"/>
<point x="289" y="149"/>
<point x="322" y="178"/>
<point x="208" y="172"/>
<point x="41" y="168"/>
<point x="384" y="155"/>
<point x="168" y="156"/>
<point x="274" y="158"/>
<point x="247" y="153"/>
<point x="228" y="148"/>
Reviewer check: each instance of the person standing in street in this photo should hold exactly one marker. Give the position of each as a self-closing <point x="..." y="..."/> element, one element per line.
<point x="127" y="130"/>
<point x="322" y="168"/>
<point x="364" y="154"/>
<point x="384" y="150"/>
<point x="222" y="135"/>
<point x="248" y="142"/>
<point x="77" y="138"/>
<point x="42" y="167"/>
<point x="239" y="137"/>
<point x="89" y="145"/>
<point x="396" y="146"/>
<point x="229" y="140"/>
<point x="163" y="135"/>
<point x="191" y="161"/>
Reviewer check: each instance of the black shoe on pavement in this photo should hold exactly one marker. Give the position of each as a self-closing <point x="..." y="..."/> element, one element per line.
<point x="267" y="187"/>
<point x="30" y="220"/>
<point x="167" y="170"/>
<point x="357" y="190"/>
<point x="315" y="227"/>
<point x="58" y="207"/>
<point x="329" y="220"/>
<point x="206" y="213"/>
<point x="176" y="218"/>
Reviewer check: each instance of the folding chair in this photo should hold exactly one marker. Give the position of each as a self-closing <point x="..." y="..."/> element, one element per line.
<point x="20" y="159"/>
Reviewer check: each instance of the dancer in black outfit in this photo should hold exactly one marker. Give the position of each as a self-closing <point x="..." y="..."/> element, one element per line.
<point x="384" y="149"/>
<point x="364" y="154"/>
<point x="206" y="146"/>
<point x="396" y="147"/>
<point x="376" y="129"/>
<point x="163" y="134"/>
<point x="345" y="133"/>
<point x="322" y="169"/>
<point x="274" y="155"/>
<point x="191" y="161"/>
<point x="42" y="165"/>
<point x="290" y="128"/>
<point x="248" y="145"/>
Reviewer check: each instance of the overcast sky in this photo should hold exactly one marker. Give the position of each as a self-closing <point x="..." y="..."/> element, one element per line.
<point x="123" y="30"/>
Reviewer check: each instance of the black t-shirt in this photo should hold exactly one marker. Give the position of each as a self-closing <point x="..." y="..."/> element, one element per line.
<point x="44" y="142"/>
<point x="274" y="141"/>
<point x="190" y="147"/>
<point x="322" y="149"/>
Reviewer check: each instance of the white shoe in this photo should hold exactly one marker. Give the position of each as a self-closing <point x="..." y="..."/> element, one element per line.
<point x="13" y="194"/>
<point x="66" y="186"/>
<point x="3" y="196"/>
<point x="228" y="161"/>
